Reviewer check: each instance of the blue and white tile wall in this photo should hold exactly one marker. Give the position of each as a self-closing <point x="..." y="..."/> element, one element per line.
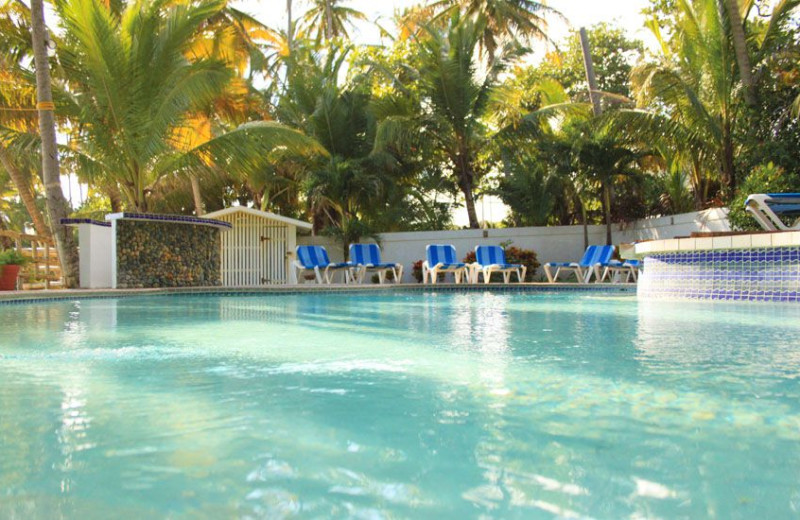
<point x="760" y="274"/>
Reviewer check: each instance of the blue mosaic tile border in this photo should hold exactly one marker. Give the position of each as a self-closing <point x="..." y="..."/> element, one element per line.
<point x="257" y="291"/>
<point x="181" y="219"/>
<point x="758" y="274"/>
<point x="74" y="221"/>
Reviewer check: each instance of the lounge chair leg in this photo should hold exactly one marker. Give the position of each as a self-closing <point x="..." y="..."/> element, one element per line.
<point x="549" y="275"/>
<point x="521" y="274"/>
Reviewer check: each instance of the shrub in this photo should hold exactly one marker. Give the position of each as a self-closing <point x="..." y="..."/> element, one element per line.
<point x="764" y="179"/>
<point x="13" y="257"/>
<point x="514" y="255"/>
<point x="416" y="271"/>
<point x="389" y="277"/>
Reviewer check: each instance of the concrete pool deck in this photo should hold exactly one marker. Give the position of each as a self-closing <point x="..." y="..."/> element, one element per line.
<point x="12" y="297"/>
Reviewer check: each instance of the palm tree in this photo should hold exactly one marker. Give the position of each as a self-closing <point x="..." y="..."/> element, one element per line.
<point x="500" y="20"/>
<point x="133" y="122"/>
<point x="454" y="102"/>
<point x="740" y="46"/>
<point x="57" y="207"/>
<point x="327" y="19"/>
<point x="695" y="81"/>
<point x="344" y="189"/>
<point x="15" y="47"/>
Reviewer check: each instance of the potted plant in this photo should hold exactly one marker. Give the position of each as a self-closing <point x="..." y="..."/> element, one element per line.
<point x="11" y="261"/>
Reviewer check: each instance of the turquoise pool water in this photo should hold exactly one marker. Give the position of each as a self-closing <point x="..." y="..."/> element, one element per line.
<point x="405" y="405"/>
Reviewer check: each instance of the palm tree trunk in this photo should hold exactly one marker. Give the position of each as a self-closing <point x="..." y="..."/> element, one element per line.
<point x="728" y="168"/>
<point x="329" y="33"/>
<point x="465" y="183"/>
<point x="57" y="208"/>
<point x="469" y="203"/>
<point x="114" y="198"/>
<point x="289" y="34"/>
<point x="607" y="208"/>
<point x="25" y="193"/>
<point x="199" y="210"/>
<point x="698" y="185"/>
<point x="585" y="223"/>
<point x="740" y="48"/>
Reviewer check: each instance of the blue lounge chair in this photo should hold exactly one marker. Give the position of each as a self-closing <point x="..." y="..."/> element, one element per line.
<point x="492" y="259"/>
<point x="594" y="259"/>
<point x="767" y="208"/>
<point x="315" y="258"/>
<point x="616" y="269"/>
<point x="443" y="259"/>
<point x="367" y="257"/>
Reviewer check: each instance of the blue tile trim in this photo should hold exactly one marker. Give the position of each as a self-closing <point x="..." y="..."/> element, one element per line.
<point x="757" y="274"/>
<point x="75" y="221"/>
<point x="257" y="291"/>
<point x="178" y="219"/>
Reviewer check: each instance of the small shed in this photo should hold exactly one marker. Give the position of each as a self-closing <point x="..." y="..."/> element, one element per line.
<point x="259" y="248"/>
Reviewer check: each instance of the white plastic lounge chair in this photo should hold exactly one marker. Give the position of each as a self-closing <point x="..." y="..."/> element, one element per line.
<point x="315" y="258"/>
<point x="492" y="259"/>
<point x="594" y="259"/>
<point x="443" y="259"/>
<point x="367" y="257"/>
<point x="766" y="208"/>
<point x="616" y="269"/>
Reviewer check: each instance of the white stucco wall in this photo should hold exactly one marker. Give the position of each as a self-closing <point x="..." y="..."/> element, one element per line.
<point x="95" y="256"/>
<point x="552" y="244"/>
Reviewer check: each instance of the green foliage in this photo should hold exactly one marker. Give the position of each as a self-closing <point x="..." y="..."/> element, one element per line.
<point x="416" y="271"/>
<point x="499" y="21"/>
<point x="136" y="127"/>
<point x="613" y="56"/>
<point x="452" y="101"/>
<point x="531" y="189"/>
<point x="767" y="178"/>
<point x="13" y="257"/>
<point x="328" y="19"/>
<point x="770" y="132"/>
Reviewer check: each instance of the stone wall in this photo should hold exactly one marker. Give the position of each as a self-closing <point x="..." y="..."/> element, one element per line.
<point x="165" y="254"/>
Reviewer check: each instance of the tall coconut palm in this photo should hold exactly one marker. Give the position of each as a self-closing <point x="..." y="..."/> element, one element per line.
<point x="16" y="91"/>
<point x="739" y="41"/>
<point x="345" y="188"/>
<point x="57" y="207"/>
<point x="500" y="20"/>
<point x="455" y="92"/>
<point x="328" y="19"/>
<point x="136" y="93"/>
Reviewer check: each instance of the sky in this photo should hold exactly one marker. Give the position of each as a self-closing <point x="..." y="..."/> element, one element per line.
<point x="625" y="13"/>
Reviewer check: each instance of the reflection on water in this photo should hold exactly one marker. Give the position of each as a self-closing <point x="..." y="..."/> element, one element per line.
<point x="407" y="405"/>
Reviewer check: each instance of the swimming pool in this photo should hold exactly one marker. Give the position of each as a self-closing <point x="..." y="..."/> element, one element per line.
<point x="417" y="404"/>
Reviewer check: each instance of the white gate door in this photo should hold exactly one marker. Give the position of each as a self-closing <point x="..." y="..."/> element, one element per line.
<point x="273" y="254"/>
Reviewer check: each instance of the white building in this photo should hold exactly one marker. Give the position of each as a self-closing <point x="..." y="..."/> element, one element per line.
<point x="260" y="247"/>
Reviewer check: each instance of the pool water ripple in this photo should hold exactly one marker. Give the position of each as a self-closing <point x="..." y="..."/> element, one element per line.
<point x="424" y="405"/>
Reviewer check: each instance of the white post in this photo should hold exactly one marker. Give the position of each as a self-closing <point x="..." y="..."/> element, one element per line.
<point x="114" y="254"/>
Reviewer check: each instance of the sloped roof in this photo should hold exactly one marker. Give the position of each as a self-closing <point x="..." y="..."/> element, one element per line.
<point x="262" y="214"/>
